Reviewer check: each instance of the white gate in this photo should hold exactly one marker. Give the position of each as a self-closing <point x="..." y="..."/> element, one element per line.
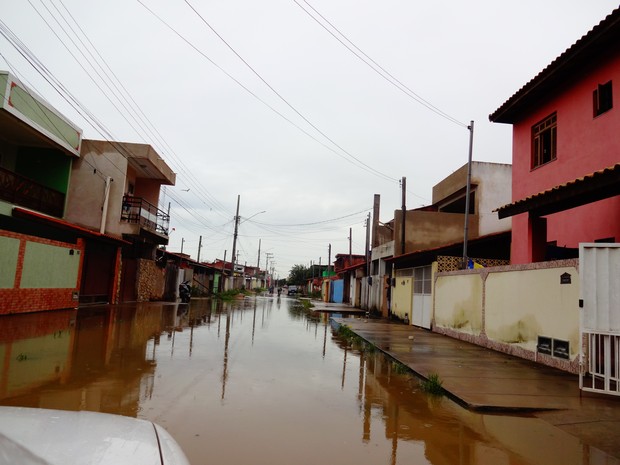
<point x="422" y="302"/>
<point x="599" y="274"/>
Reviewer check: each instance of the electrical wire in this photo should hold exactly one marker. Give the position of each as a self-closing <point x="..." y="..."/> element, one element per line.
<point x="376" y="67"/>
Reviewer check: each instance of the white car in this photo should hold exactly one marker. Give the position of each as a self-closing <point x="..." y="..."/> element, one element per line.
<point x="32" y="436"/>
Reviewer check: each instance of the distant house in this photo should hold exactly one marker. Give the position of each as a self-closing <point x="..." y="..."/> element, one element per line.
<point x="566" y="150"/>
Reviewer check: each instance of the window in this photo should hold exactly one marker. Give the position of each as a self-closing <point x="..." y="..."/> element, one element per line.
<point x="544" y="141"/>
<point x="602" y="99"/>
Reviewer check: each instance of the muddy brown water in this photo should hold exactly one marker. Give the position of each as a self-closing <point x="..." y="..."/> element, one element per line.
<point x="258" y="381"/>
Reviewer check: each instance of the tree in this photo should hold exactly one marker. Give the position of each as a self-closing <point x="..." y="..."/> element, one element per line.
<point x="298" y="275"/>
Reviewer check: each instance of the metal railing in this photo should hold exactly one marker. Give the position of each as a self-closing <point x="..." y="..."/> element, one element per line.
<point x="136" y="210"/>
<point x="27" y="193"/>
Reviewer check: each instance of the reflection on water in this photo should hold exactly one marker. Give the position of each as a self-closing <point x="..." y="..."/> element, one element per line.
<point x="256" y="381"/>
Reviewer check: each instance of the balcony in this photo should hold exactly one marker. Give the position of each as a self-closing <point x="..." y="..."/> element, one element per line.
<point x="25" y="192"/>
<point x="136" y="210"/>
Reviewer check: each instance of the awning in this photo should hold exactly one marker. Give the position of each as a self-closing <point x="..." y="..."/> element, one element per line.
<point x="61" y="224"/>
<point x="590" y="188"/>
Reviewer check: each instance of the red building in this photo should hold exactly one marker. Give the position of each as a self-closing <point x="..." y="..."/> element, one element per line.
<point x="566" y="150"/>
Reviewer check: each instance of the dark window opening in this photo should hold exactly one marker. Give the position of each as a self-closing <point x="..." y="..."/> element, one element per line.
<point x="544" y="141"/>
<point x="602" y="99"/>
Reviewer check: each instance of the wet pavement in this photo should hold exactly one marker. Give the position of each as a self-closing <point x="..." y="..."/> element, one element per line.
<point x="262" y="381"/>
<point x="485" y="380"/>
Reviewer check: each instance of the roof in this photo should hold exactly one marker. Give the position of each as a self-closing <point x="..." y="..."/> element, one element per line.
<point x="594" y="46"/>
<point x="587" y="189"/>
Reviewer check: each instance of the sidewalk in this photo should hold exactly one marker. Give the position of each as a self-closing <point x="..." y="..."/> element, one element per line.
<point x="485" y="380"/>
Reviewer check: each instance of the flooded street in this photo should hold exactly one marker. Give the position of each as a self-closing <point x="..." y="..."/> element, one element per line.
<point x="260" y="381"/>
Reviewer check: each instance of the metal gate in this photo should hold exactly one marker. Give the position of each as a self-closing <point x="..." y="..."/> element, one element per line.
<point x="599" y="274"/>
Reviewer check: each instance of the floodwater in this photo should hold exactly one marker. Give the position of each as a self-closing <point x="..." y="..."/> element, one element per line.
<point x="258" y="381"/>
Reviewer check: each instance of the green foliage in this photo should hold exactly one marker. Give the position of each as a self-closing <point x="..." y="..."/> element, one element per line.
<point x="400" y="368"/>
<point x="230" y="294"/>
<point x="432" y="385"/>
<point x="354" y="340"/>
<point x="299" y="274"/>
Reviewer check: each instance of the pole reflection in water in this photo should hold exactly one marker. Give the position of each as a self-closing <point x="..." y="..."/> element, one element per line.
<point x="275" y="388"/>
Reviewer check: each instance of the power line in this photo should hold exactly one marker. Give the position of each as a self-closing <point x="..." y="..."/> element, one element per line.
<point x="376" y="67"/>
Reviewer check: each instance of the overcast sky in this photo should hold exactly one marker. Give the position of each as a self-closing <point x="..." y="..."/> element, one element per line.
<point x="258" y="99"/>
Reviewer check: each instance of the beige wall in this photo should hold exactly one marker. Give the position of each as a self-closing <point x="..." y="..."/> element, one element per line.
<point x="87" y="187"/>
<point x="401" y="296"/>
<point x="522" y="305"/>
<point x="458" y="303"/>
<point x="507" y="308"/>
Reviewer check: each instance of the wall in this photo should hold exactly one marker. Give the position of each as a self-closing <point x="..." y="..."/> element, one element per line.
<point x="429" y="229"/>
<point x="507" y="308"/>
<point x="585" y="144"/>
<point x="458" y="303"/>
<point x="151" y="281"/>
<point x="87" y="187"/>
<point x="401" y="295"/>
<point x="38" y="274"/>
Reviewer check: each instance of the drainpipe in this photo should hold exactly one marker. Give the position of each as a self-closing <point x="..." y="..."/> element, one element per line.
<point x="106" y="200"/>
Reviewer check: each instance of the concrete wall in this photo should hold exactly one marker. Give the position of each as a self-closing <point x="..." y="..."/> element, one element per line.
<point x="402" y="294"/>
<point x="38" y="274"/>
<point x="508" y="308"/>
<point x="430" y="229"/>
<point x="87" y="187"/>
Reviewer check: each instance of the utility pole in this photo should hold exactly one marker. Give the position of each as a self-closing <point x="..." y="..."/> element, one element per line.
<point x="234" y="249"/>
<point x="329" y="259"/>
<point x="350" y="246"/>
<point x="199" y="247"/>
<point x="258" y="262"/>
<point x="223" y="288"/>
<point x="367" y="253"/>
<point x="404" y="220"/>
<point x="468" y="192"/>
<point x="182" y="242"/>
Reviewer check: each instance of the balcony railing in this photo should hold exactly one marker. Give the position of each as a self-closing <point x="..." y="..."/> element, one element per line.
<point x="138" y="211"/>
<point x="25" y="192"/>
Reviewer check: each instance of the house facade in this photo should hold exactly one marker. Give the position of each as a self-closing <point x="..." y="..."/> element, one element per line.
<point x="565" y="191"/>
<point x="123" y="180"/>
<point x="566" y="147"/>
<point x="37" y="148"/>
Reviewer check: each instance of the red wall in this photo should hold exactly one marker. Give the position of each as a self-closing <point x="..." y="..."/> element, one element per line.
<point x="584" y="144"/>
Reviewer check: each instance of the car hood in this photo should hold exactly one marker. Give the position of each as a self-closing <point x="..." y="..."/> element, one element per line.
<point x="32" y="436"/>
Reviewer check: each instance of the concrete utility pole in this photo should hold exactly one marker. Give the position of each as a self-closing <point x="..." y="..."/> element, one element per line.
<point x="468" y="193"/>
<point x="404" y="220"/>
<point x="329" y="259"/>
<point x="182" y="243"/>
<point x="367" y="254"/>
<point x="199" y="247"/>
<point x="258" y="262"/>
<point x="350" y="246"/>
<point x="234" y="249"/>
<point x="223" y="285"/>
<point x="375" y="221"/>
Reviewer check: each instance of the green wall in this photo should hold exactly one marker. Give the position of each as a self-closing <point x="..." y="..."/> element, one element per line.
<point x="9" y="251"/>
<point x="50" y="267"/>
<point x="48" y="167"/>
